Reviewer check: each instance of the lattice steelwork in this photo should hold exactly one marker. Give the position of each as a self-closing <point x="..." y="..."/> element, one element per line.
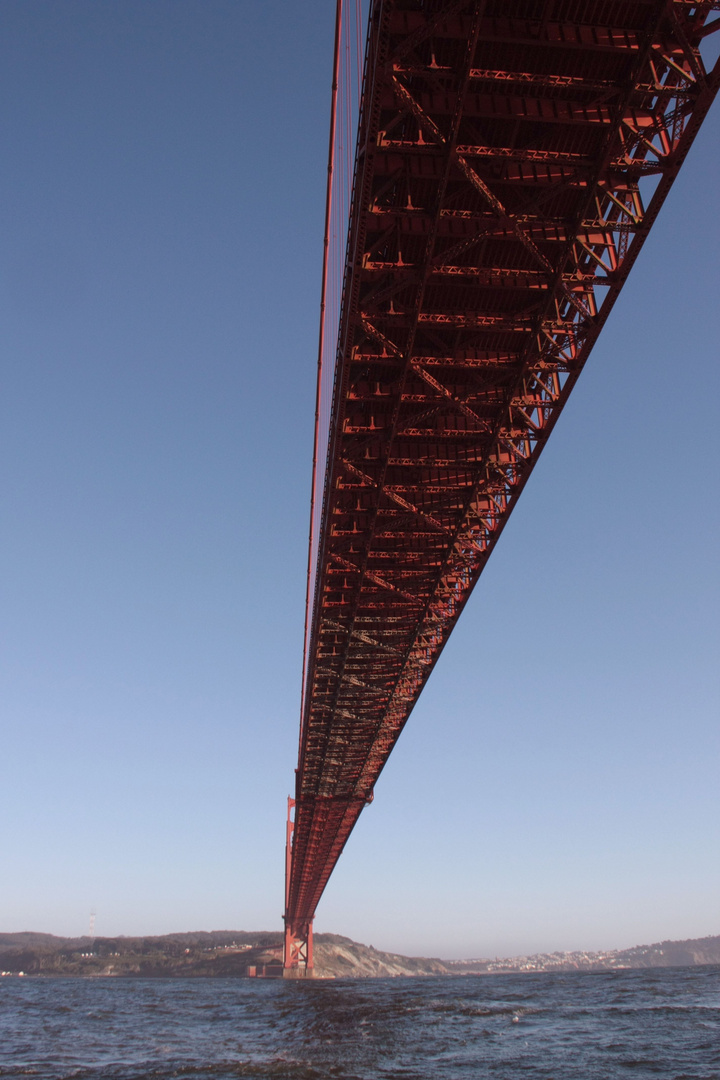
<point x="512" y="157"/>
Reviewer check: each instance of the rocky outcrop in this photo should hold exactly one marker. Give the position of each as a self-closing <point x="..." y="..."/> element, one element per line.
<point x="339" y="957"/>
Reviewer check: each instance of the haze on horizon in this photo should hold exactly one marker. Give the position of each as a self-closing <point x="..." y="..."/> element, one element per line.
<point x="556" y="787"/>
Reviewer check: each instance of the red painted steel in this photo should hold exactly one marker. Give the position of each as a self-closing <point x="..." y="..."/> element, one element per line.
<point x="298" y="940"/>
<point x="512" y="157"/>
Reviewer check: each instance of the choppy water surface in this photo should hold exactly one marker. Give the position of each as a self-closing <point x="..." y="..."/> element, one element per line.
<point x="662" y="1024"/>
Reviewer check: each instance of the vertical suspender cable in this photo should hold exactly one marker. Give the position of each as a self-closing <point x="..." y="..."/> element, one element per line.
<point x="321" y="346"/>
<point x="359" y="50"/>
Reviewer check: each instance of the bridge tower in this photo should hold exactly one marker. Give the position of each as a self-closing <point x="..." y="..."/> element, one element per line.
<point x="298" y="941"/>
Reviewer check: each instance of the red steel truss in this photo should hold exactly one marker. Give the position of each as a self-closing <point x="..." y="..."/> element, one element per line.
<point x="512" y="156"/>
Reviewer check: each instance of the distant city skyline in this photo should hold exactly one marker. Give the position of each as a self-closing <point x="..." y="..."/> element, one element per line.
<point x="556" y="787"/>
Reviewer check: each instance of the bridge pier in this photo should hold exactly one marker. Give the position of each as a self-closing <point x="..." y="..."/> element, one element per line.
<point x="298" y="951"/>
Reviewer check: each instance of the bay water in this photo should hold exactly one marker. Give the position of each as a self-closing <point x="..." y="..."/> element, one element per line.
<point x="662" y="1023"/>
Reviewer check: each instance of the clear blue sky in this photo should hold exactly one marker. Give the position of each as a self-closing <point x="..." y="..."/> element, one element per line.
<point x="161" y="220"/>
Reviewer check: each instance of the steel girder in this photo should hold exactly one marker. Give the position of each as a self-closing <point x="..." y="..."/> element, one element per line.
<point x="512" y="157"/>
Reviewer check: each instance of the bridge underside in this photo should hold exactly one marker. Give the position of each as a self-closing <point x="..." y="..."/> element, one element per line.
<point x="512" y="157"/>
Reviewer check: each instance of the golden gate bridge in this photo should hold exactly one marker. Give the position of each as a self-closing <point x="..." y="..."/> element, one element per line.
<point x="511" y="157"/>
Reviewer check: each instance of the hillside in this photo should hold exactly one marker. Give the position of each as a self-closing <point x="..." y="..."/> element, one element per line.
<point x="662" y="954"/>
<point x="221" y="953"/>
<point x="236" y="953"/>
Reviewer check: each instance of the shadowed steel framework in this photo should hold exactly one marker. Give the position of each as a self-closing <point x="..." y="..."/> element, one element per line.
<point x="512" y="156"/>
